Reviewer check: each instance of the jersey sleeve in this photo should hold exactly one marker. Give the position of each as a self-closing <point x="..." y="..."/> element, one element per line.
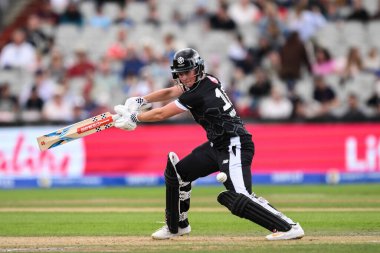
<point x="180" y="105"/>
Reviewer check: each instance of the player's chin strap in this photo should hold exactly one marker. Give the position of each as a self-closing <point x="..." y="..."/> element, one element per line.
<point x="178" y="195"/>
<point x="200" y="76"/>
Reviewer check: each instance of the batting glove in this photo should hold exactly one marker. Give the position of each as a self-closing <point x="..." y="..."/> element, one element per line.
<point x="137" y="104"/>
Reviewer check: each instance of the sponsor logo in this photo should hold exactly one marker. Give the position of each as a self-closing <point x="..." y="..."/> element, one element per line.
<point x="94" y="125"/>
<point x="21" y="158"/>
<point x="180" y="60"/>
<point x="363" y="156"/>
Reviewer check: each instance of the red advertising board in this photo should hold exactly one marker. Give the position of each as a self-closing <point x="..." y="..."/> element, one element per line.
<point x="305" y="148"/>
<point x="310" y="148"/>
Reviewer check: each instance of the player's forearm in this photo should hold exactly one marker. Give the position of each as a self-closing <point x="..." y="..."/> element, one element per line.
<point x="163" y="95"/>
<point x="159" y="114"/>
<point x="154" y="115"/>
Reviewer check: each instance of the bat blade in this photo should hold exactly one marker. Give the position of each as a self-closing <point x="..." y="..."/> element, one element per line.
<point x="75" y="131"/>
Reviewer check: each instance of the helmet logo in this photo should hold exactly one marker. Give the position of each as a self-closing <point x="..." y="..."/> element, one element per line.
<point x="180" y="60"/>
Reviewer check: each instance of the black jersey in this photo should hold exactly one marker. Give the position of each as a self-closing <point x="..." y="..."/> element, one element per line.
<point x="212" y="109"/>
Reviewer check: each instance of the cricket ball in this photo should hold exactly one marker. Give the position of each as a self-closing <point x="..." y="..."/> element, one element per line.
<point x="221" y="177"/>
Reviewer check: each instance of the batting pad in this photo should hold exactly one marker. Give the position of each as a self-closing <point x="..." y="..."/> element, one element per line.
<point x="253" y="210"/>
<point x="172" y="194"/>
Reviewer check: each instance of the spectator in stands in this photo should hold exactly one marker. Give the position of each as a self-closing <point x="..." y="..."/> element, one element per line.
<point x="285" y="3"/>
<point x="243" y="12"/>
<point x="106" y="81"/>
<point x="78" y="112"/>
<point x="34" y="102"/>
<point x="371" y="62"/>
<point x="354" y="111"/>
<point x="220" y="20"/>
<point x="260" y="88"/>
<point x="99" y="20"/>
<point x="306" y="22"/>
<point x="232" y="90"/>
<point x="159" y="70"/>
<point x="59" y="6"/>
<point x="300" y="109"/>
<point x="18" y="54"/>
<point x="374" y="101"/>
<point x="132" y="63"/>
<point x="56" y="67"/>
<point x="36" y="36"/>
<point x="71" y="15"/>
<point x="238" y="54"/>
<point x="260" y="52"/>
<point x="88" y="105"/>
<point x="58" y="109"/>
<point x="32" y="110"/>
<point x="272" y="64"/>
<point x="277" y="106"/>
<point x="82" y="65"/>
<point x="117" y="50"/>
<point x="102" y="102"/>
<point x="144" y="85"/>
<point x="171" y="45"/>
<point x="200" y="12"/>
<point x="320" y="4"/>
<point x="44" y="85"/>
<point x="293" y="57"/>
<point x="271" y="26"/>
<point x="359" y="13"/>
<point x="350" y="65"/>
<point x="324" y="64"/>
<point x="123" y="19"/>
<point x="148" y="54"/>
<point x="262" y="84"/>
<point x="153" y="14"/>
<point x="325" y="96"/>
<point x="332" y="13"/>
<point x="238" y="91"/>
<point x="178" y="18"/>
<point x="47" y="15"/>
<point x="128" y="82"/>
<point x="121" y="3"/>
<point x="8" y="104"/>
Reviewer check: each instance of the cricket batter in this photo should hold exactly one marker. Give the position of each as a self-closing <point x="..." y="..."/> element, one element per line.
<point x="229" y="149"/>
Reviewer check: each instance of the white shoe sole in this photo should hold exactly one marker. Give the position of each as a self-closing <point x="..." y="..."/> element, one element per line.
<point x="280" y="237"/>
<point x="171" y="237"/>
<point x="293" y="234"/>
<point x="181" y="232"/>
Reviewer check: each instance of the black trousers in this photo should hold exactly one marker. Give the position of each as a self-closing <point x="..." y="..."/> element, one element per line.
<point x="235" y="160"/>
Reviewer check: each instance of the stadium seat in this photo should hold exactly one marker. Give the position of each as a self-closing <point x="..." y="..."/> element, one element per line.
<point x="138" y="11"/>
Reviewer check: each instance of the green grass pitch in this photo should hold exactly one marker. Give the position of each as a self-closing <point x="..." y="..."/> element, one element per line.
<point x="336" y="218"/>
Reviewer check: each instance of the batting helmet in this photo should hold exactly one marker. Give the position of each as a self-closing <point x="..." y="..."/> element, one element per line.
<point x="185" y="60"/>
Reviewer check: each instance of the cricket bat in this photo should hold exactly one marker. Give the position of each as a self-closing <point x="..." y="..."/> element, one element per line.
<point x="78" y="130"/>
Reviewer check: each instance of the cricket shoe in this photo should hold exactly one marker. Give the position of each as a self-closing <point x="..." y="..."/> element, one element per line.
<point x="296" y="232"/>
<point x="164" y="233"/>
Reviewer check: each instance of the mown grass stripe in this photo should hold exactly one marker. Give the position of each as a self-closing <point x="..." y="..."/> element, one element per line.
<point x="159" y="209"/>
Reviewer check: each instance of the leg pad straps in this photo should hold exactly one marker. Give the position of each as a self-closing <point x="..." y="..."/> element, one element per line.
<point x="251" y="209"/>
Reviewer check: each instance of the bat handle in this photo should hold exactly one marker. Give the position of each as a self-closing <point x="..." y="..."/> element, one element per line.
<point x="115" y="116"/>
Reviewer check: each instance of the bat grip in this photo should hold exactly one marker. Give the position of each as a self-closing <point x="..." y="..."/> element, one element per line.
<point x="115" y="116"/>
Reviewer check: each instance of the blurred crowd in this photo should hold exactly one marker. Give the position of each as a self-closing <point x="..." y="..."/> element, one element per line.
<point x="269" y="57"/>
